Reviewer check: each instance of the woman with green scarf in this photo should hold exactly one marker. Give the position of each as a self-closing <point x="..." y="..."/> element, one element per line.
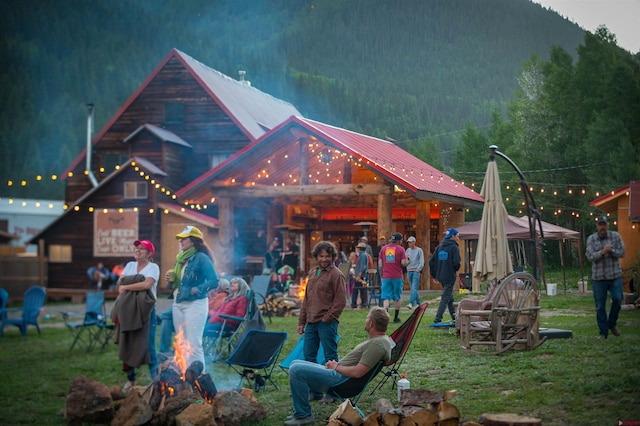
<point x="192" y="277"/>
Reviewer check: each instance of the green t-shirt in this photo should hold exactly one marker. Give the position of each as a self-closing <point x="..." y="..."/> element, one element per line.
<point x="369" y="352"/>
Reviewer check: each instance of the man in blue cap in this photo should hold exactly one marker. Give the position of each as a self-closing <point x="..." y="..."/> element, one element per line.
<point x="443" y="265"/>
<point x="604" y="249"/>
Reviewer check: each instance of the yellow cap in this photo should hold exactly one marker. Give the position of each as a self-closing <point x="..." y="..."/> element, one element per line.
<point x="189" y="231"/>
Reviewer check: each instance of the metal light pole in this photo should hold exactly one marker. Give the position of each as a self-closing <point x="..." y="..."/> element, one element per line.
<point x="533" y="214"/>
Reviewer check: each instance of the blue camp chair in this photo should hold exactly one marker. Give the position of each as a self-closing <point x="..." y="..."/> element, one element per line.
<point x="260" y="287"/>
<point x="255" y="356"/>
<point x="93" y="331"/>
<point x="34" y="299"/>
<point x="298" y="353"/>
<point x="4" y="298"/>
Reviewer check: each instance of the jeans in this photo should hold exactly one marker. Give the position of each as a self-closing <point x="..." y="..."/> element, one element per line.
<point x="600" y="289"/>
<point x="166" y="331"/>
<point x="414" y="281"/>
<point x="446" y="301"/>
<point x="362" y="291"/>
<point x="309" y="378"/>
<point x="153" y="356"/>
<point x="191" y="317"/>
<point x="321" y="333"/>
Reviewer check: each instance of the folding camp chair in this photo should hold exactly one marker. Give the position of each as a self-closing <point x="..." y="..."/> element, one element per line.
<point x="93" y="331"/>
<point x="402" y="338"/>
<point x="4" y="298"/>
<point x="34" y="299"/>
<point x="216" y="345"/>
<point x="258" y="350"/>
<point x="298" y="353"/>
<point x="260" y="287"/>
<point x="353" y="389"/>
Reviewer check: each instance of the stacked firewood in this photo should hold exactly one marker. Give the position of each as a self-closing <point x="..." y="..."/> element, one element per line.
<point x="417" y="407"/>
<point x="279" y="306"/>
<point x="421" y="408"/>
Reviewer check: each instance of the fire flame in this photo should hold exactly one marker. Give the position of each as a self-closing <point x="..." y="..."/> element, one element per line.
<point x="182" y="351"/>
<point x="302" y="288"/>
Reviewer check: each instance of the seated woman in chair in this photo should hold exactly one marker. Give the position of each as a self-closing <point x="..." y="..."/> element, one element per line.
<point x="234" y="305"/>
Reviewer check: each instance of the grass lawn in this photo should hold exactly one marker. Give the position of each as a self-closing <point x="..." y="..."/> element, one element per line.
<point x="578" y="381"/>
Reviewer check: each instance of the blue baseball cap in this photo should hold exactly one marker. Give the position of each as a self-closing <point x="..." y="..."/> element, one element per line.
<point x="450" y="233"/>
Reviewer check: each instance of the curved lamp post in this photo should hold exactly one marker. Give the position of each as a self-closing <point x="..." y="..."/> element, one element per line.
<point x="533" y="214"/>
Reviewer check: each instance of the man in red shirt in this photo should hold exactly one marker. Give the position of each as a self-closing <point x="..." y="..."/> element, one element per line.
<point x="393" y="258"/>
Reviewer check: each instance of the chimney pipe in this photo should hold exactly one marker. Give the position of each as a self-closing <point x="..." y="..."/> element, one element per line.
<point x="92" y="178"/>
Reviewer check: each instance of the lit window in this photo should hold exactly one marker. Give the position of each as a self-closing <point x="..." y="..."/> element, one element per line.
<point x="60" y="253"/>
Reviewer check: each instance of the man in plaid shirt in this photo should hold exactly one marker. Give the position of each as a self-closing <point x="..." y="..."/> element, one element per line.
<point x="604" y="249"/>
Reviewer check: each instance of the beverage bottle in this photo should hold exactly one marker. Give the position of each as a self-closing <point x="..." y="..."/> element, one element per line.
<point x="403" y="383"/>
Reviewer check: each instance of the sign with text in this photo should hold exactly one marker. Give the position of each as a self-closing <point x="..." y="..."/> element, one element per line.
<point x="114" y="232"/>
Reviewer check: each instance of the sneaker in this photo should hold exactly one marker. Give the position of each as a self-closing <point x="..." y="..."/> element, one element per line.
<point x="602" y="337"/>
<point x="615" y="331"/>
<point x="327" y="400"/>
<point x="315" y="398"/>
<point x="397" y="320"/>
<point x="296" y="421"/>
<point x="410" y="306"/>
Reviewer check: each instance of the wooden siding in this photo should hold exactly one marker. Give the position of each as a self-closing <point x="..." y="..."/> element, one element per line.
<point x="206" y="127"/>
<point x="76" y="229"/>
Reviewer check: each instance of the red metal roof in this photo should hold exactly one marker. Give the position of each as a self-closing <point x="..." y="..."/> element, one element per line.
<point x="385" y="158"/>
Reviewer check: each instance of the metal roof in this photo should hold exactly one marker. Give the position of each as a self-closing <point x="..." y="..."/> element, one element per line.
<point x="272" y="158"/>
<point x="252" y="110"/>
<point x="162" y="134"/>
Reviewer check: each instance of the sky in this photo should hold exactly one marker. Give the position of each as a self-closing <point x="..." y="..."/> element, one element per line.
<point x="621" y="17"/>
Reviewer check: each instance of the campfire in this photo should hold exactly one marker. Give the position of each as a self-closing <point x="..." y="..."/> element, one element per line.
<point x="175" y="376"/>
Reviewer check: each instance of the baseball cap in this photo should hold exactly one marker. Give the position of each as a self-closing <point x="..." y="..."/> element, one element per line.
<point x="364" y="239"/>
<point x="146" y="244"/>
<point x="362" y="245"/>
<point x="382" y="237"/>
<point x="411" y="239"/>
<point x="603" y="219"/>
<point x="450" y="233"/>
<point x="189" y="231"/>
<point x="396" y="236"/>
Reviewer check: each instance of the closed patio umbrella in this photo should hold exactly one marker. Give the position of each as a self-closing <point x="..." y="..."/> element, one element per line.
<point x="492" y="255"/>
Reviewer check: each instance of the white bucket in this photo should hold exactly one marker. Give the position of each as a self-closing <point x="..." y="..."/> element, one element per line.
<point x="552" y="289"/>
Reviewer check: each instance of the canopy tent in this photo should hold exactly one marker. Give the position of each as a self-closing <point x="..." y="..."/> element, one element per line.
<point x="517" y="228"/>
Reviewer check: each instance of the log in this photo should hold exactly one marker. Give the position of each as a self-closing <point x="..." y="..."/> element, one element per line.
<point x="383" y="406"/>
<point x="509" y="419"/>
<point x="447" y="411"/>
<point x="417" y="416"/>
<point x="373" y="419"/>
<point x="421" y="397"/>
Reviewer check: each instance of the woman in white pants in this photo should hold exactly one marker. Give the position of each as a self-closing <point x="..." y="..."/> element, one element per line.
<point x="192" y="277"/>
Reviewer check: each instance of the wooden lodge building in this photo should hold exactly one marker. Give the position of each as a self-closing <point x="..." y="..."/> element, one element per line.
<point x="193" y="146"/>
<point x="624" y="204"/>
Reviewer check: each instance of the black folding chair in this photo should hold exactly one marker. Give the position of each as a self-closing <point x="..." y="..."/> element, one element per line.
<point x="258" y="350"/>
<point x="93" y="331"/>
<point x="353" y="388"/>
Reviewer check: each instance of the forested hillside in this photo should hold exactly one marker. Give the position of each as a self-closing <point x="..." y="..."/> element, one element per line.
<point x="417" y="71"/>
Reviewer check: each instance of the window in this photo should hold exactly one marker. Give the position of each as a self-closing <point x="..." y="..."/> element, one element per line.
<point x="174" y="113"/>
<point x="60" y="253"/>
<point x="135" y="190"/>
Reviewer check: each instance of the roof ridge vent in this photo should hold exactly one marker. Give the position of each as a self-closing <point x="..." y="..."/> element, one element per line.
<point x="241" y="75"/>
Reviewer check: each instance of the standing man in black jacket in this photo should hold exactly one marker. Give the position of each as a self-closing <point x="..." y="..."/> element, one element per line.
<point x="444" y="265"/>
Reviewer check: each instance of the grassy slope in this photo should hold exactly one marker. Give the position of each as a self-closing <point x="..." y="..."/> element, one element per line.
<point x="564" y="382"/>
